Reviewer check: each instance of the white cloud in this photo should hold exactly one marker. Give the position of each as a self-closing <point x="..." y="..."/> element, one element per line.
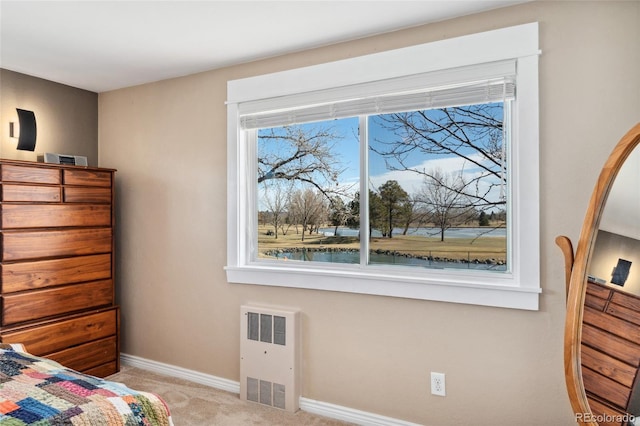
<point x="411" y="181"/>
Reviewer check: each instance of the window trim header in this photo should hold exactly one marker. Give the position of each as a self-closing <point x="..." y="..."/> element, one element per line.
<point x="481" y="83"/>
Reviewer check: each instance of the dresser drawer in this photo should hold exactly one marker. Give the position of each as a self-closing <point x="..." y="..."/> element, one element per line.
<point x="29" y="174"/>
<point x="48" y="273"/>
<point x="33" y="305"/>
<point x="626" y="314"/>
<point x="88" y="355"/>
<point x="56" y="336"/>
<point x="605" y="388"/>
<point x="31" y="193"/>
<point x="598" y="290"/>
<point x="86" y="177"/>
<point x="103" y="370"/>
<point x="40" y="244"/>
<point x="595" y="302"/>
<point x="613" y="325"/>
<point x="617" y="347"/>
<point x="83" y="194"/>
<point x="15" y="216"/>
<point x="608" y="366"/>
<point x="598" y="408"/>
<point x="626" y="300"/>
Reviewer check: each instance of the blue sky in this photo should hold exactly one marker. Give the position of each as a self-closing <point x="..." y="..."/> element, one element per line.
<point x="378" y="173"/>
<point x="347" y="152"/>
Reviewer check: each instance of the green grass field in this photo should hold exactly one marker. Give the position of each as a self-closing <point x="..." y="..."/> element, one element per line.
<point x="453" y="248"/>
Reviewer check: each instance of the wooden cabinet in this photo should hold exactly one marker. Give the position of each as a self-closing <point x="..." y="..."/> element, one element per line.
<point x="610" y="350"/>
<point x="56" y="264"/>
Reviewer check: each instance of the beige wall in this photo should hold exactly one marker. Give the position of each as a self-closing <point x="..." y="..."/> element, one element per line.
<point x="66" y="117"/>
<point x="168" y="141"/>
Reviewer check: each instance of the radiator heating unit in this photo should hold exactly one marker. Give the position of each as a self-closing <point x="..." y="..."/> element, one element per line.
<point x="270" y="356"/>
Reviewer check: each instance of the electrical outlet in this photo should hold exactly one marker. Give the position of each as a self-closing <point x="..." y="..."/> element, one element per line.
<point x="437" y="384"/>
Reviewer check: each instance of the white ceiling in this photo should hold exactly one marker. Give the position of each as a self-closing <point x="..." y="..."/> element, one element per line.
<point x="106" y="45"/>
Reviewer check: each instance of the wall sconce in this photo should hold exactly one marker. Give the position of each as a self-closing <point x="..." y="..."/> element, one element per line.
<point x="27" y="130"/>
<point x="620" y="272"/>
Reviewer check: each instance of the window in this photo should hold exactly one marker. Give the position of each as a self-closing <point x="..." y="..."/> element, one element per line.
<point x="418" y="178"/>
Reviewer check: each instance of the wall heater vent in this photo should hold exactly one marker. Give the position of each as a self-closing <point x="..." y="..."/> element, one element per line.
<point x="269" y="357"/>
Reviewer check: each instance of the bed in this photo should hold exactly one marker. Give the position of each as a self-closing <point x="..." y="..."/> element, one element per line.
<point x="39" y="391"/>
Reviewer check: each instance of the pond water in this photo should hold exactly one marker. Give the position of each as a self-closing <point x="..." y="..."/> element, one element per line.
<point x="353" y="257"/>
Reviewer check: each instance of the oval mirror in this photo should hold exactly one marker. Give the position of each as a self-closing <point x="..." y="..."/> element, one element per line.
<point x="602" y="330"/>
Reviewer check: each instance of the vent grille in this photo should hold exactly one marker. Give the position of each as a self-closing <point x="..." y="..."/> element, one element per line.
<point x="279" y="396"/>
<point x="269" y="357"/>
<point x="279" y="330"/>
<point x="267" y="328"/>
<point x="267" y="393"/>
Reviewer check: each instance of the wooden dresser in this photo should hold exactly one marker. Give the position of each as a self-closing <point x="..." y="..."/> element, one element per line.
<point x="610" y="350"/>
<point x="56" y="264"/>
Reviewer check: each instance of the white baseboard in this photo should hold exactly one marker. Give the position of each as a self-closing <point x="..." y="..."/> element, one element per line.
<point x="309" y="405"/>
<point x="349" y="414"/>
<point x="181" y="373"/>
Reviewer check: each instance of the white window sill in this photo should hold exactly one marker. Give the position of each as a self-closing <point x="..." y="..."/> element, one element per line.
<point x="357" y="281"/>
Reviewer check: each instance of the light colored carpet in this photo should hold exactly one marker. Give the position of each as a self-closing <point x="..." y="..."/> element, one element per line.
<point x="193" y="404"/>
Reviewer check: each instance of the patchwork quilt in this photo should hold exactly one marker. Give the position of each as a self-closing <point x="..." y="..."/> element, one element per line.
<point x="38" y="391"/>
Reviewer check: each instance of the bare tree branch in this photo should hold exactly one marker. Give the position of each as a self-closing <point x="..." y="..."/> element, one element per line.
<point x="296" y="154"/>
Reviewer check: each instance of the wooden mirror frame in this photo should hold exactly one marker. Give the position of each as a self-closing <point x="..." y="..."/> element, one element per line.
<point x="576" y="275"/>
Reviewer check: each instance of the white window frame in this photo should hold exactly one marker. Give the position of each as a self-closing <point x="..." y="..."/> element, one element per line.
<point x="518" y="289"/>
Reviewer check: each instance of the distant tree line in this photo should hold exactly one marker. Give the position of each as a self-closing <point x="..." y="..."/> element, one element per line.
<point x="390" y="208"/>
